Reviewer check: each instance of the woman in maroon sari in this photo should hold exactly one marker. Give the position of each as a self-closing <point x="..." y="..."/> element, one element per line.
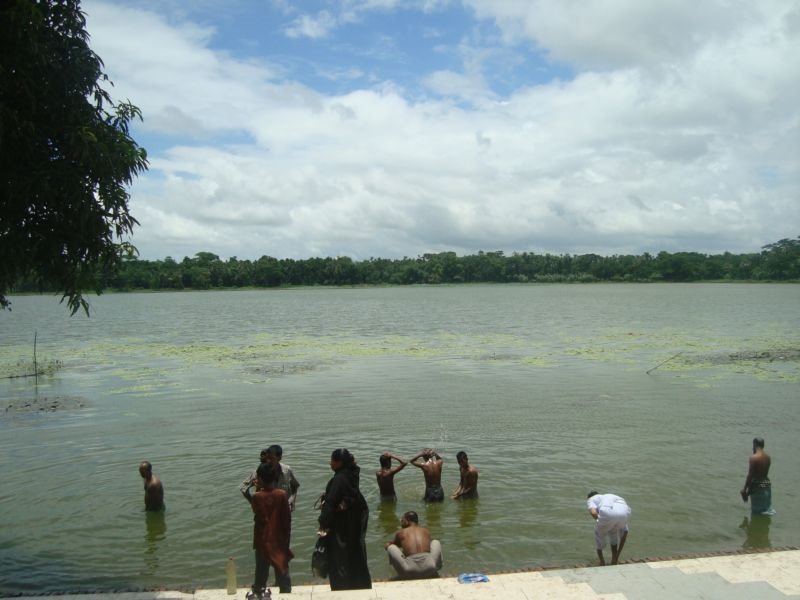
<point x="272" y="526"/>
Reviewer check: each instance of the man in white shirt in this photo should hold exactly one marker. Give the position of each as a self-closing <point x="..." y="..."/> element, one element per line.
<point x="611" y="514"/>
<point x="286" y="479"/>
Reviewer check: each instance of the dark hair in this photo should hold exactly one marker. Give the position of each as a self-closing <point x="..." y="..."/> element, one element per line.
<point x="592" y="493"/>
<point x="385" y="461"/>
<point x="411" y="516"/>
<point x="275" y="450"/>
<point x="759" y="442"/>
<point x="343" y="455"/>
<point x="267" y="473"/>
<point x="461" y="455"/>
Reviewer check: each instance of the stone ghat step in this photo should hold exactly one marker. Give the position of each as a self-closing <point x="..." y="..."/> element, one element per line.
<point x="759" y="576"/>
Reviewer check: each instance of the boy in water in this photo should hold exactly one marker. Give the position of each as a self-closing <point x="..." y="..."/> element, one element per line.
<point x="431" y="465"/>
<point x="468" y="483"/>
<point x="757" y="487"/>
<point x="385" y="475"/>
<point x="153" y="488"/>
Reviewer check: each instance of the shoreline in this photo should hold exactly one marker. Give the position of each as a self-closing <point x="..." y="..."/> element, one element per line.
<point x="306" y="590"/>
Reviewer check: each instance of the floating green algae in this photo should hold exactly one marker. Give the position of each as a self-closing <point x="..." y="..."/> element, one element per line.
<point x="771" y="356"/>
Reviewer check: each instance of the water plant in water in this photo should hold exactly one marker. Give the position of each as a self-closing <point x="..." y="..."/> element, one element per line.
<point x="31" y="368"/>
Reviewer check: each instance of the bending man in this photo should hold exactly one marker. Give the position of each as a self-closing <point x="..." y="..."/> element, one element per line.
<point x="412" y="553"/>
<point x="611" y="515"/>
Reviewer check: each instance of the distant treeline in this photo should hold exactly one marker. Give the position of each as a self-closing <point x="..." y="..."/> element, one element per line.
<point x="776" y="262"/>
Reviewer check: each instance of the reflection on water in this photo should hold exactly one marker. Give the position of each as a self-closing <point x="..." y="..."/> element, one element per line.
<point x="547" y="386"/>
<point x="433" y="516"/>
<point x="156" y="531"/>
<point x="467" y="518"/>
<point x="388" y="518"/>
<point x="757" y="529"/>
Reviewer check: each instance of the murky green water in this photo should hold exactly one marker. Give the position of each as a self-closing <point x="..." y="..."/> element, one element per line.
<point x="544" y="386"/>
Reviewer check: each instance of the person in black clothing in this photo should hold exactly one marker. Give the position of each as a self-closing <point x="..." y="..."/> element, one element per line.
<point x="343" y="521"/>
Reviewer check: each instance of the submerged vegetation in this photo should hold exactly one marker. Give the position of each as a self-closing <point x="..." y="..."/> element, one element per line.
<point x="779" y="261"/>
<point x="30" y="368"/>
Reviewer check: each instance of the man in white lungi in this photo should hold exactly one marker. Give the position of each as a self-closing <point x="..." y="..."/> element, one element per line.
<point x="611" y="515"/>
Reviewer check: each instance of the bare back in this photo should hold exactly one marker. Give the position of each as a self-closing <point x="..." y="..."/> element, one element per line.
<point x="759" y="466"/>
<point x="469" y="482"/>
<point x="153" y="494"/>
<point x="431" y="469"/>
<point x="413" y="540"/>
<point x="385" y="479"/>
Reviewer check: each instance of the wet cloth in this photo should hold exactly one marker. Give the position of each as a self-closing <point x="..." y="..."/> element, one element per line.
<point x="286" y="480"/>
<point x="761" y="498"/>
<point x="424" y="565"/>
<point x="613" y="514"/>
<point x="433" y="493"/>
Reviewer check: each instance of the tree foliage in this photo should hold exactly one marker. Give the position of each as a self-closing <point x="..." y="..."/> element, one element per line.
<point x="66" y="156"/>
<point x="776" y="262"/>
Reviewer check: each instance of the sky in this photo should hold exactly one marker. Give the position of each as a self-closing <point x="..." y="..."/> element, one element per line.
<point x="392" y="128"/>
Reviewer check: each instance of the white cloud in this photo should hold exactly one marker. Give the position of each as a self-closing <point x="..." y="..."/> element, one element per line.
<point x="679" y="127"/>
<point x="161" y="67"/>
<point x="621" y="33"/>
<point x="314" y="27"/>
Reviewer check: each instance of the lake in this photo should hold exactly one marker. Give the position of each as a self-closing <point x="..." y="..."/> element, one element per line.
<point x="546" y="387"/>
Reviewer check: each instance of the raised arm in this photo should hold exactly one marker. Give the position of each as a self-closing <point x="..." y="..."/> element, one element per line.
<point x="247" y="485"/>
<point x="402" y="463"/>
<point x="414" y="460"/>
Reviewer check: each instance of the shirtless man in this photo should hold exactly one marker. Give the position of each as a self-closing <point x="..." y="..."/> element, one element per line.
<point x="412" y="553"/>
<point x="153" y="489"/>
<point x="431" y="465"/>
<point x="468" y="484"/>
<point x="757" y="486"/>
<point x="385" y="475"/>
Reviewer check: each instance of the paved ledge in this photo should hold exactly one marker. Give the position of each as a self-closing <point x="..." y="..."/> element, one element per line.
<point x="765" y="575"/>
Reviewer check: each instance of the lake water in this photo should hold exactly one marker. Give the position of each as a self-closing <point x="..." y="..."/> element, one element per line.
<point x="545" y="386"/>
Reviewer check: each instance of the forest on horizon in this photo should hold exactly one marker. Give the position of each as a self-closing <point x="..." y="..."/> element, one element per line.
<point x="779" y="261"/>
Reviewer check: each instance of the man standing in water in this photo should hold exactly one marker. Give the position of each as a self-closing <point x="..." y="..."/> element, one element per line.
<point x="431" y="466"/>
<point x="757" y="486"/>
<point x="412" y="553"/>
<point x="611" y="514"/>
<point x="468" y="484"/>
<point x="153" y="489"/>
<point x="385" y="475"/>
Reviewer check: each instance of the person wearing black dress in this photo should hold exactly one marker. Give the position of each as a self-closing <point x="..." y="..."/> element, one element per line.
<point x="343" y="522"/>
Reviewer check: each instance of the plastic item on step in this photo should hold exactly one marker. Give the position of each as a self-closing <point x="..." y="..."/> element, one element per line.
<point x="472" y="578"/>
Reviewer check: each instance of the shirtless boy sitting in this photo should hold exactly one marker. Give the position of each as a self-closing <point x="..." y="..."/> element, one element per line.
<point x="412" y="553"/>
